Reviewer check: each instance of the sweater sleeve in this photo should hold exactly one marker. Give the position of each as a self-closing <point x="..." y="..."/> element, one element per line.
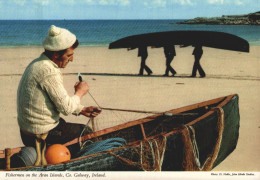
<point x="53" y="85"/>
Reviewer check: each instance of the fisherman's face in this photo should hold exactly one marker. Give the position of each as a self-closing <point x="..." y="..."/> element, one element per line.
<point x="63" y="60"/>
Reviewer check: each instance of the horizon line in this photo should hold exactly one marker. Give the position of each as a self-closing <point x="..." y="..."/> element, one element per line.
<point x="84" y="19"/>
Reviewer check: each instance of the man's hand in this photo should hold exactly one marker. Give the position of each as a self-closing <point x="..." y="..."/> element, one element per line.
<point x="81" y="88"/>
<point x="91" y="111"/>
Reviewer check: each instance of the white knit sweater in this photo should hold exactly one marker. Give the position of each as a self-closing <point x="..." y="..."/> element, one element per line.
<point x="41" y="97"/>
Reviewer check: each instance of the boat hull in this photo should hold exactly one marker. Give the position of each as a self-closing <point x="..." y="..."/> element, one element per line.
<point x="211" y="39"/>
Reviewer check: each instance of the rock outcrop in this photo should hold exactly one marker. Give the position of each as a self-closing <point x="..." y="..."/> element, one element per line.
<point x="248" y="19"/>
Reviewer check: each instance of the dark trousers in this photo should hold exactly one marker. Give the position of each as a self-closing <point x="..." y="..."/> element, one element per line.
<point x="61" y="134"/>
<point x="168" y="66"/>
<point x="144" y="66"/>
<point x="197" y="66"/>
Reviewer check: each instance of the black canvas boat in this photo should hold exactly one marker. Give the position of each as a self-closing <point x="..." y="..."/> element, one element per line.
<point x="212" y="39"/>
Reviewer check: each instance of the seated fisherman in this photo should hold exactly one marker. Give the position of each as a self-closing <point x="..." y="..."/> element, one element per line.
<point x="41" y="95"/>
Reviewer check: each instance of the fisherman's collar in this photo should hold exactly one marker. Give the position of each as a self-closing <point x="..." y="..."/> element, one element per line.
<point x="43" y="56"/>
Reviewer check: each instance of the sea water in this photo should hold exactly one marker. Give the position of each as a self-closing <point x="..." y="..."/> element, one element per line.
<point x="103" y="32"/>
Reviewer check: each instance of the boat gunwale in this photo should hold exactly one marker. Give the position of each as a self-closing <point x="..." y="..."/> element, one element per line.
<point x="225" y="99"/>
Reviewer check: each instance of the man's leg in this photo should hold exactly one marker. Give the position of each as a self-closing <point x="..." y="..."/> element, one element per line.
<point x="148" y="70"/>
<point x="195" y="66"/>
<point x="65" y="132"/>
<point x="201" y="71"/>
<point x="61" y="134"/>
<point x="28" y="140"/>
<point x="142" y="66"/>
<point x="169" y="66"/>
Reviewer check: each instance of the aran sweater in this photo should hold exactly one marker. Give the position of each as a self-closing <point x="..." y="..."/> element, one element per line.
<point x="41" y="97"/>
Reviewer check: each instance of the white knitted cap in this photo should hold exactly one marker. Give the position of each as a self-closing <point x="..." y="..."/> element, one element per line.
<point x="58" y="39"/>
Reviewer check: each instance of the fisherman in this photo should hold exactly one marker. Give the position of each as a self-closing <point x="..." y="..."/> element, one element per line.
<point x="41" y="95"/>
<point x="142" y="52"/>
<point x="169" y="52"/>
<point x="197" y="52"/>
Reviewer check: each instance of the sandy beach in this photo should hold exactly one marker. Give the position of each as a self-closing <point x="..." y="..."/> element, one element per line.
<point x="113" y="81"/>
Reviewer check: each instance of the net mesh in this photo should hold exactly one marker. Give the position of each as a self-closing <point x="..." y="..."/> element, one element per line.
<point x="148" y="155"/>
<point x="112" y="118"/>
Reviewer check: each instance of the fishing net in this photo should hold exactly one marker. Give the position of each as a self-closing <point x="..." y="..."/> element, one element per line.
<point x="146" y="156"/>
<point x="110" y="118"/>
<point x="148" y="153"/>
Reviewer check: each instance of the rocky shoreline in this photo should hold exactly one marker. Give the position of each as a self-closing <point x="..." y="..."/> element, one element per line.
<point x="247" y="19"/>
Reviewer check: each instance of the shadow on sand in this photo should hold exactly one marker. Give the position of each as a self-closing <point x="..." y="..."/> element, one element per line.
<point x="184" y="76"/>
<point x="131" y="75"/>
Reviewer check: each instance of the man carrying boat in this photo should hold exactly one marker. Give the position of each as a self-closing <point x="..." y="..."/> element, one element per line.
<point x="41" y="95"/>
<point x="142" y="52"/>
<point x="169" y="52"/>
<point x="197" y="52"/>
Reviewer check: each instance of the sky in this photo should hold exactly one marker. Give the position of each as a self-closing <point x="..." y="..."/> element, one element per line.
<point x="123" y="9"/>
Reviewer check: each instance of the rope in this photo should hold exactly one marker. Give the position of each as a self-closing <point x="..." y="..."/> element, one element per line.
<point x="190" y="144"/>
<point x="141" y="155"/>
<point x="220" y="126"/>
<point x="191" y="152"/>
<point x="149" y="112"/>
<point x="160" y="158"/>
<point x="157" y="158"/>
<point x="188" y="147"/>
<point x="124" y="159"/>
<point x="129" y="110"/>
<point x="94" y="99"/>
<point x="101" y="146"/>
<point x="81" y="145"/>
<point x="93" y="124"/>
<point x="157" y="155"/>
<point x="164" y="148"/>
<point x="152" y="151"/>
<point x="80" y="79"/>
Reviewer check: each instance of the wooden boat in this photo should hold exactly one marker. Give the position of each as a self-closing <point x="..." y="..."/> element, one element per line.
<point x="195" y="137"/>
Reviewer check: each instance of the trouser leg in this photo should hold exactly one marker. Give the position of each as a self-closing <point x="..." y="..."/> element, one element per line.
<point x="61" y="134"/>
<point x="194" y="69"/>
<point x="201" y="71"/>
<point x="65" y="132"/>
<point x="196" y="64"/>
<point x="148" y="70"/>
<point x="144" y="66"/>
<point x="168" y="64"/>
